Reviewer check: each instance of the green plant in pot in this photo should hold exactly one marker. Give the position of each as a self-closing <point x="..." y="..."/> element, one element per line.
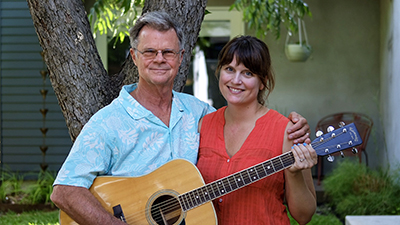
<point x="301" y="50"/>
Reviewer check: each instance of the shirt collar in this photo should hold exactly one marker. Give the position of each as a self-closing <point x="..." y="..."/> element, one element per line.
<point x="137" y="111"/>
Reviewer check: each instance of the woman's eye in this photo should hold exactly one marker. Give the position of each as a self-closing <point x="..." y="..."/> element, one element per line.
<point x="228" y="68"/>
<point x="248" y="73"/>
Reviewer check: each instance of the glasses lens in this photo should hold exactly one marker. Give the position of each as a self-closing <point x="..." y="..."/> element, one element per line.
<point x="168" y="54"/>
<point x="152" y="53"/>
<point x="149" y="53"/>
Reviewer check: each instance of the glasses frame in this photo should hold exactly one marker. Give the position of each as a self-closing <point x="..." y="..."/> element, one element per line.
<point x="159" y="51"/>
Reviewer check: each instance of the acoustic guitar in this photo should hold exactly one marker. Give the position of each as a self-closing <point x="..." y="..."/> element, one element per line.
<point x="175" y="193"/>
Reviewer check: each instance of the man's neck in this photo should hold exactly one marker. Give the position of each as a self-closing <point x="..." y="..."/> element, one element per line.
<point x="156" y="100"/>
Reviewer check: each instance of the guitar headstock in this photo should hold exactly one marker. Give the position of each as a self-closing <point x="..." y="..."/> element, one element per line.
<point x="337" y="140"/>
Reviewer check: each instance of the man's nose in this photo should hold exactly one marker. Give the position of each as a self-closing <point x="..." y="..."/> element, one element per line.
<point x="159" y="56"/>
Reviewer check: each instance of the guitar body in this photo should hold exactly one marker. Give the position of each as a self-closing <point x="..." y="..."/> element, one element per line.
<point x="137" y="196"/>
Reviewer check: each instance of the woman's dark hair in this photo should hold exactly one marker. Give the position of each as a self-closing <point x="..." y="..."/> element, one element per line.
<point x="254" y="55"/>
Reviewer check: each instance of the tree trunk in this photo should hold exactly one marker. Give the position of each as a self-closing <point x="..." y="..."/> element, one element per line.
<point x="78" y="77"/>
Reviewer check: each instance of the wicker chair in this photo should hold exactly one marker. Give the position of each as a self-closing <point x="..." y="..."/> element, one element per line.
<point x="363" y="124"/>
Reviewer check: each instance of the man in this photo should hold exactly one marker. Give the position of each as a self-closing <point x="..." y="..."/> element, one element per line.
<point x="148" y="125"/>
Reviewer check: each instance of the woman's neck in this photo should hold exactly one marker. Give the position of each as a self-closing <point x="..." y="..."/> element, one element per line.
<point x="245" y="113"/>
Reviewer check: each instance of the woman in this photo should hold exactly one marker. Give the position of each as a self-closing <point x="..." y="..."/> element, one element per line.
<point x="245" y="133"/>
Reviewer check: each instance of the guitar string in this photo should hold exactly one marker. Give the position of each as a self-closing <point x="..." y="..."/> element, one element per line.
<point x="173" y="203"/>
<point x="285" y="159"/>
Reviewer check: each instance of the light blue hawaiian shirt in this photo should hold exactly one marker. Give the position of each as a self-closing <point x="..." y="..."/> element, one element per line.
<point x="125" y="139"/>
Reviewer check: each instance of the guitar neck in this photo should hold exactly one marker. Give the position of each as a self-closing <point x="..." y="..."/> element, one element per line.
<point x="223" y="186"/>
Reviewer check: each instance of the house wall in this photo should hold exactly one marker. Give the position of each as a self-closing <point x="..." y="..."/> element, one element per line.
<point x="21" y="100"/>
<point x="342" y="74"/>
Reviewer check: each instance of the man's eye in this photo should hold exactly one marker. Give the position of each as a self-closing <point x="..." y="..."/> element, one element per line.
<point x="149" y="51"/>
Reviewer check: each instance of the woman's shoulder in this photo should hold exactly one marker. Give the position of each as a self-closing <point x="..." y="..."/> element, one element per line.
<point x="216" y="115"/>
<point x="275" y="116"/>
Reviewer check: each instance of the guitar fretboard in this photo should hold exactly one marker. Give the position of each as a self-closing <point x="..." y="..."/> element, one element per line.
<point x="223" y="186"/>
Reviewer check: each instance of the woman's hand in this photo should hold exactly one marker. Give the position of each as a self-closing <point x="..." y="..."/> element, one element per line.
<point x="305" y="157"/>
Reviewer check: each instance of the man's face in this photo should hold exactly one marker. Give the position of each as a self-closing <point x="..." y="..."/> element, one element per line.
<point x="157" y="71"/>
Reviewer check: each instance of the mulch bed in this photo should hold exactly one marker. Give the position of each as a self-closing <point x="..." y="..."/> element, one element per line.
<point x="18" y="208"/>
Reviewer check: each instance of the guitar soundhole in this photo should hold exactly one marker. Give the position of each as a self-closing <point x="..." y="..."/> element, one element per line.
<point x="166" y="210"/>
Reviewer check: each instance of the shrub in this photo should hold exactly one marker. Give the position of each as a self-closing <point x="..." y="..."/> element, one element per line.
<point x="11" y="187"/>
<point x="17" y="191"/>
<point x="40" y="191"/>
<point x="354" y="189"/>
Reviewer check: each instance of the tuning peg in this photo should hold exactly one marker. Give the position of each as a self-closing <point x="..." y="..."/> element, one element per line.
<point x="319" y="133"/>
<point x="354" y="150"/>
<point x="342" y="124"/>
<point x="342" y="154"/>
<point x="330" y="158"/>
<point x="330" y="129"/>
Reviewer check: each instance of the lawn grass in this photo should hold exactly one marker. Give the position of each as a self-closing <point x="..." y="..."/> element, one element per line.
<point x="51" y="218"/>
<point x="318" y="219"/>
<point x="29" y="218"/>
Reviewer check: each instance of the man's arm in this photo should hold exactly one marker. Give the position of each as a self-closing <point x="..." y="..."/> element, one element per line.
<point x="300" y="131"/>
<point x="81" y="205"/>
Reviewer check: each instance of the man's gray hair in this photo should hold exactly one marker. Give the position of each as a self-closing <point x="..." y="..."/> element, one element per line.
<point x="157" y="20"/>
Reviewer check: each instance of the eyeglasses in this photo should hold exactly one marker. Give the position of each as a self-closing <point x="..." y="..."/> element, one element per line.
<point x="168" y="54"/>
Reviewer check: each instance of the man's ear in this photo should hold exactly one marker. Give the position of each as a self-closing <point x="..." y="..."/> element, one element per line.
<point x="133" y="55"/>
<point x="181" y="55"/>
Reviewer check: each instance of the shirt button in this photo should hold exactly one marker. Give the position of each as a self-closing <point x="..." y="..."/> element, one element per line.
<point x="228" y="160"/>
<point x="220" y="200"/>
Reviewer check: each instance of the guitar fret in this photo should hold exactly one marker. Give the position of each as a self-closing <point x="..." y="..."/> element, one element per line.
<point x="202" y="195"/>
<point x="187" y="201"/>
<point x="260" y="171"/>
<point x="229" y="182"/>
<point x="233" y="183"/>
<point x="269" y="168"/>
<point x="227" y="186"/>
<point x="190" y="200"/>
<point x="283" y="165"/>
<point x="222" y="185"/>
<point x="277" y="164"/>
<point x="246" y="178"/>
<point x="196" y="197"/>
<point x="254" y="175"/>
<point x="218" y="192"/>
<point x="182" y="201"/>
<point x="207" y="196"/>
<point x="218" y="184"/>
<point x="212" y="193"/>
<point x="239" y="180"/>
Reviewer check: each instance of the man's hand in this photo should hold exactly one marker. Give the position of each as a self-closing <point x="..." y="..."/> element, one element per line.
<point x="300" y="131"/>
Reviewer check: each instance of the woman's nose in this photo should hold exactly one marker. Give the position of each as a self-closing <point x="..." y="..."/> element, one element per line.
<point x="237" y="79"/>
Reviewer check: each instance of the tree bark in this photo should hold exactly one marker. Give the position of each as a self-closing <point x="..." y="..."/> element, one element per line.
<point x="78" y="77"/>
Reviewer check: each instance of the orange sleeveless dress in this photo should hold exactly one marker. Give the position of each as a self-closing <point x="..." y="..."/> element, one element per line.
<point x="257" y="203"/>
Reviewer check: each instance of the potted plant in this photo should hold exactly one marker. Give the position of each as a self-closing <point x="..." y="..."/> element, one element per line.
<point x="298" y="51"/>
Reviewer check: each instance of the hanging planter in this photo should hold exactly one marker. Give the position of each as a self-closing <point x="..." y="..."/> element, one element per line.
<point x="300" y="51"/>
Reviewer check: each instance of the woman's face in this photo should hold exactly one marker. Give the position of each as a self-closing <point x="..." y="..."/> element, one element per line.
<point x="238" y="85"/>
